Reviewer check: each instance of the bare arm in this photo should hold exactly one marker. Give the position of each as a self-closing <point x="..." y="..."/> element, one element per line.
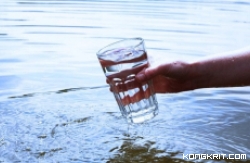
<point x="230" y="71"/>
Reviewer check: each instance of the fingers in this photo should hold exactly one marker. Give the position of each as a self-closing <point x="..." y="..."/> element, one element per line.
<point x="123" y="74"/>
<point x="117" y="86"/>
<point x="178" y="70"/>
<point x="129" y="91"/>
<point x="147" y="74"/>
<point x="107" y="81"/>
<point x="127" y="98"/>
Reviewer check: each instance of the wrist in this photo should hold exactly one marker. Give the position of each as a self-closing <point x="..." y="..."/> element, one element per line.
<point x="200" y="75"/>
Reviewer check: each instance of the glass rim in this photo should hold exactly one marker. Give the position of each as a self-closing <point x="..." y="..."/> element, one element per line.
<point x="141" y="40"/>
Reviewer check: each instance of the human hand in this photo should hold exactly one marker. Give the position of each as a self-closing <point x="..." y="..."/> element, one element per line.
<point x="165" y="78"/>
<point x="170" y="77"/>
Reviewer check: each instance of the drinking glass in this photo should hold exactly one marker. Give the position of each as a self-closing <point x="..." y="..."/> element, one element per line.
<point x="120" y="62"/>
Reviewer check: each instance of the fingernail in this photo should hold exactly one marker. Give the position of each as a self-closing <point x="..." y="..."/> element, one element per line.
<point x="140" y="77"/>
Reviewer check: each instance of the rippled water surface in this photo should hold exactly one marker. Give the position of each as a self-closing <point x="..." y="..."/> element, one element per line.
<point x="54" y="102"/>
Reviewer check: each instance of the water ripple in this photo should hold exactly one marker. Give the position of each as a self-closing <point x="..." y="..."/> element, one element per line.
<point x="56" y="92"/>
<point x="52" y="26"/>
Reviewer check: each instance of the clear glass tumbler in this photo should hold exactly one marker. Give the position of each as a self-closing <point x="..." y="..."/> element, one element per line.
<point x="121" y="61"/>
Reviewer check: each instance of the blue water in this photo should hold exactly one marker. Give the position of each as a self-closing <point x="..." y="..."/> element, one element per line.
<point x="55" y="105"/>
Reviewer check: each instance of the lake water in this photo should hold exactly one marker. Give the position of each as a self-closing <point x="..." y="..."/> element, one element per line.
<point x="55" y="105"/>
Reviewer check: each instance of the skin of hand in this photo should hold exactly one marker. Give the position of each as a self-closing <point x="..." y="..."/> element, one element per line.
<point x="170" y="77"/>
<point x="230" y="71"/>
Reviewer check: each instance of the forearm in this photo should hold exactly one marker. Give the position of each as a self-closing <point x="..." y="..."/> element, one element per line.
<point x="230" y="71"/>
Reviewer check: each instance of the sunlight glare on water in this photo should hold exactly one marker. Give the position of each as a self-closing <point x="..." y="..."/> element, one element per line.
<point x="55" y="105"/>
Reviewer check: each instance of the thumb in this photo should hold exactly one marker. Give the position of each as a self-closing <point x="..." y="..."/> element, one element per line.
<point x="146" y="74"/>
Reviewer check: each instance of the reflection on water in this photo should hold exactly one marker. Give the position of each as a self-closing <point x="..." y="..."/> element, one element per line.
<point x="54" y="102"/>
